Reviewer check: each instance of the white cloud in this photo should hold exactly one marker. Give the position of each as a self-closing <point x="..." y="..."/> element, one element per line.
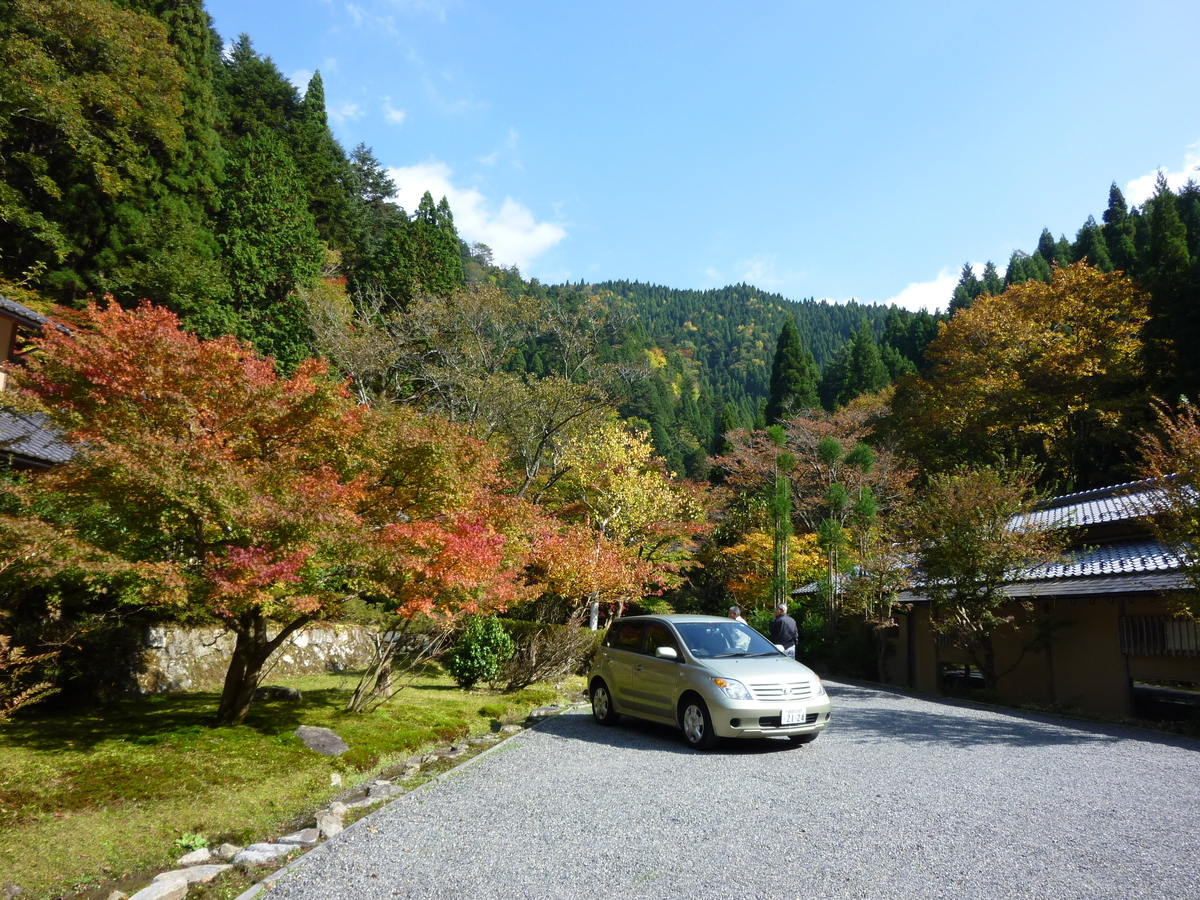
<point x="344" y="112"/>
<point x="391" y="114"/>
<point x="515" y="237"/>
<point x="932" y="295"/>
<point x="928" y="295"/>
<point x="1141" y="189"/>
<point x="300" y="79"/>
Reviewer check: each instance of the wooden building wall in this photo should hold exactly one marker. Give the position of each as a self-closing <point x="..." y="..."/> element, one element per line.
<point x="1083" y="667"/>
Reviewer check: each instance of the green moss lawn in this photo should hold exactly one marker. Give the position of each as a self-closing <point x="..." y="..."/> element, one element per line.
<point x="91" y="796"/>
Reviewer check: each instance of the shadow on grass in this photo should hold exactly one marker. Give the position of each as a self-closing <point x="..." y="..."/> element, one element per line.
<point x="153" y="719"/>
<point x="156" y="719"/>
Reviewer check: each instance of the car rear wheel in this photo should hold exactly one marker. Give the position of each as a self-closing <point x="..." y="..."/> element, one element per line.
<point x="802" y="738"/>
<point x="602" y="708"/>
<point x="697" y="724"/>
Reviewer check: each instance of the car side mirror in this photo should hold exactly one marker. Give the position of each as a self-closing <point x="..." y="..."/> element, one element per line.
<point x="666" y="653"/>
<point x="779" y="647"/>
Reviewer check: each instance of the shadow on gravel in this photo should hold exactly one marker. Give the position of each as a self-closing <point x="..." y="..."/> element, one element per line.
<point x="910" y="726"/>
<point x="840" y="690"/>
<point x="966" y="724"/>
<point x="638" y="734"/>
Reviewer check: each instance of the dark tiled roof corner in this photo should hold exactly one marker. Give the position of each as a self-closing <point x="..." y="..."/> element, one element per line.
<point x="31" y="437"/>
<point x="26" y="316"/>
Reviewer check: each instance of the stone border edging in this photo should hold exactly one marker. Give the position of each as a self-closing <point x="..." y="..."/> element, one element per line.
<point x="264" y="885"/>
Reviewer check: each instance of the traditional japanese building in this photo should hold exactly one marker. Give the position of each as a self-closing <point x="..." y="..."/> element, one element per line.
<point x="26" y="442"/>
<point x="1090" y="627"/>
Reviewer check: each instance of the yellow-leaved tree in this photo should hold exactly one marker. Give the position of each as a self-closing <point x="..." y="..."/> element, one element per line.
<point x="1049" y="372"/>
<point x="749" y="566"/>
<point x="611" y="480"/>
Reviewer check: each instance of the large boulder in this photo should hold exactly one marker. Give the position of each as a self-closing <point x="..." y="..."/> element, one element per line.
<point x="322" y="740"/>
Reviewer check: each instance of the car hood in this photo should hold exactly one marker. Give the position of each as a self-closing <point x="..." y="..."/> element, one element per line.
<point x="769" y="667"/>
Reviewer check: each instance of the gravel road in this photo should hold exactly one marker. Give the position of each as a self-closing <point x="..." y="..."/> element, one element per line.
<point x="900" y="798"/>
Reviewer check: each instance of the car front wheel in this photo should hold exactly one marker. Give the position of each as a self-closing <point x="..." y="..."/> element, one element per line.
<point x="602" y="708"/>
<point x="697" y="725"/>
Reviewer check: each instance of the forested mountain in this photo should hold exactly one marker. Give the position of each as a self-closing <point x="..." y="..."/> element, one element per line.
<point x="732" y="331"/>
<point x="705" y="357"/>
<point x="144" y="158"/>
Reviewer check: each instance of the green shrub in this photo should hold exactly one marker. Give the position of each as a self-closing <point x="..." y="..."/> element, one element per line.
<point x="481" y="650"/>
<point x="191" y="841"/>
<point x="760" y="621"/>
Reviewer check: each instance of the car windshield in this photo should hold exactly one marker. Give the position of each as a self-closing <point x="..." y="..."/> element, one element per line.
<point x="710" y="640"/>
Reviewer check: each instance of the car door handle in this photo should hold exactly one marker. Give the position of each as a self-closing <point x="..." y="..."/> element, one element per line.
<point x="639" y="668"/>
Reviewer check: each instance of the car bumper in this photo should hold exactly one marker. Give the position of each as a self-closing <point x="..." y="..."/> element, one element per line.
<point x="756" y="720"/>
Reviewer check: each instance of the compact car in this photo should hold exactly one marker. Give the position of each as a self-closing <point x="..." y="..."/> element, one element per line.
<point x="711" y="677"/>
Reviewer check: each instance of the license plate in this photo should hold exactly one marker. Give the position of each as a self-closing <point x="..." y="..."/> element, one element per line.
<point x="793" y="716"/>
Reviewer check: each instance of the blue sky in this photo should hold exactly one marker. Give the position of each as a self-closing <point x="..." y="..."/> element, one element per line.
<point x="829" y="150"/>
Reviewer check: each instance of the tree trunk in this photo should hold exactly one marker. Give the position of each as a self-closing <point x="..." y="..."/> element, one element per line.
<point x="250" y="653"/>
<point x="984" y="655"/>
<point x="379" y="681"/>
<point x="378" y="675"/>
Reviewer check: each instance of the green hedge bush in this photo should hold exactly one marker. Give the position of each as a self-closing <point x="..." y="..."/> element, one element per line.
<point x="480" y="652"/>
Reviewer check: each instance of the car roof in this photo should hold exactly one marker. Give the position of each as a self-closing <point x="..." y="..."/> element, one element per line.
<point x="678" y="617"/>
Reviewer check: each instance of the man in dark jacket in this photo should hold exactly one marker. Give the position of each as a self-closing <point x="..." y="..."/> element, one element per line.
<point x="784" y="631"/>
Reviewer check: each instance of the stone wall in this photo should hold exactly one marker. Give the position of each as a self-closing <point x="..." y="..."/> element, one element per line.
<point x="181" y="659"/>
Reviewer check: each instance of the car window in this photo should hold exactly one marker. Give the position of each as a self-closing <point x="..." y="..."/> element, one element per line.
<point x="625" y="636"/>
<point x="659" y="635"/>
<point x="706" y="640"/>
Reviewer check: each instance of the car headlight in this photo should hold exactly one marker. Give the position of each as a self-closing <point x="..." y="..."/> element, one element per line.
<point x="734" y="690"/>
<point x="820" y="691"/>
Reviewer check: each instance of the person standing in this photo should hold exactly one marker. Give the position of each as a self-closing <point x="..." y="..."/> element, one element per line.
<point x="784" y="631"/>
<point x="735" y="613"/>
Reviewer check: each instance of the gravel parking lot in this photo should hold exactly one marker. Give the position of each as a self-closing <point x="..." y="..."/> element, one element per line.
<point x="900" y="798"/>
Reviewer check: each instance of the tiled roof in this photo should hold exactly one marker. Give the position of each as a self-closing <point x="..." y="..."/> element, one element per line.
<point x="31" y="437"/>
<point x="1119" y="557"/>
<point x="1137" y="565"/>
<point x="25" y="316"/>
<point x="1129" y="583"/>
<point x="1088" y="586"/>
<point x="815" y="587"/>
<point x="1119" y="503"/>
<point x="1134" y="564"/>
